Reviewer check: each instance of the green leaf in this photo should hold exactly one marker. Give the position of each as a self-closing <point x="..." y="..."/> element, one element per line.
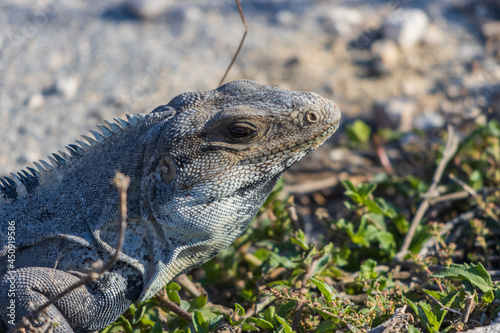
<point x="348" y="185"/>
<point x="359" y="131"/>
<point x="476" y="275"/>
<point x="300" y="240"/>
<point x="283" y="322"/>
<point x="423" y="310"/>
<point x="239" y="310"/>
<point x="172" y="292"/>
<point x="281" y="260"/>
<point x="386" y="240"/>
<point x="367" y="269"/>
<point x="475" y="176"/>
<point x="198" y="302"/>
<point x="200" y="324"/>
<point x="366" y="189"/>
<point x="446" y="299"/>
<point x="327" y="291"/>
<point x="326" y="326"/>
<point x="488" y="297"/>
<point x="248" y="327"/>
<point x="295" y="275"/>
<point x="126" y="324"/>
<point x="373" y="207"/>
<point x="138" y="314"/>
<point x="216" y="322"/>
<point x="321" y="263"/>
<point x="156" y="328"/>
<point x="494" y="128"/>
<point x="264" y="324"/>
<point x="412" y="329"/>
<point x="269" y="313"/>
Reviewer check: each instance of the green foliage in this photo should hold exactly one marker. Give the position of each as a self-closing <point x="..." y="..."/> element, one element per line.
<point x="475" y="275"/>
<point x="358" y="132"/>
<point x="278" y="278"/>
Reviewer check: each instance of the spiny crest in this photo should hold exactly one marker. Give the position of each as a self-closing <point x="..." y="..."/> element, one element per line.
<point x="9" y="186"/>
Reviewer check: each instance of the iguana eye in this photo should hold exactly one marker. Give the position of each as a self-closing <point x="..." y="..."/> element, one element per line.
<point x="241" y="132"/>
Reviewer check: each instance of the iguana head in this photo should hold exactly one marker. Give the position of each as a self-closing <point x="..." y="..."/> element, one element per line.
<point x="219" y="157"/>
<point x="241" y="134"/>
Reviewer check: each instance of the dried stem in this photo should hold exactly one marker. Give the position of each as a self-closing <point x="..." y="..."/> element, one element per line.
<point x="241" y="42"/>
<point x="166" y="302"/>
<point x="449" y="152"/>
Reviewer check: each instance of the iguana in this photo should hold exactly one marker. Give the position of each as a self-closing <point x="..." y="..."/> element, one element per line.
<point x="200" y="167"/>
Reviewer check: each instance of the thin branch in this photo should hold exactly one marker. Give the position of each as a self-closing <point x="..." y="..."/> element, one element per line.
<point x="398" y="319"/>
<point x="241" y="42"/>
<point x="449" y="152"/>
<point x="188" y="285"/>
<point x="469" y="306"/>
<point x="466" y="187"/>
<point x="382" y="154"/>
<point x="450" y="197"/>
<point x="442" y="306"/>
<point x="122" y="182"/>
<point x="166" y="302"/>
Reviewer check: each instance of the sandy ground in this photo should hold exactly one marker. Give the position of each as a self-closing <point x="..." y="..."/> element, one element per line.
<point x="68" y="65"/>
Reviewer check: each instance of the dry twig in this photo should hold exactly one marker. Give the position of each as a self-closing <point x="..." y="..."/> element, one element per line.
<point x="398" y="320"/>
<point x="188" y="285"/>
<point x="166" y="302"/>
<point x="241" y="42"/>
<point x="449" y="152"/>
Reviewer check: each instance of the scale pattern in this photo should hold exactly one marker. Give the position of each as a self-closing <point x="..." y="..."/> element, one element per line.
<point x="200" y="168"/>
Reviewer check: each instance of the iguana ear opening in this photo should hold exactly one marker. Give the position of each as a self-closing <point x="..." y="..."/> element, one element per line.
<point x="167" y="169"/>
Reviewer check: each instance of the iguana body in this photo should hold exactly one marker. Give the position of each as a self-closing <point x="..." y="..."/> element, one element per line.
<point x="200" y="168"/>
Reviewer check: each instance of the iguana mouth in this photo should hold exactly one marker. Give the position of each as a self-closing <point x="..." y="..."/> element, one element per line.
<point x="315" y="141"/>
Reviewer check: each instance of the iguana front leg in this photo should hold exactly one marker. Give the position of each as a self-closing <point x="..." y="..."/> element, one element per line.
<point x="88" y="308"/>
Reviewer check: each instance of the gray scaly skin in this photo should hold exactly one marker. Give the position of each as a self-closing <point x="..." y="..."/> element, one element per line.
<point x="200" y="168"/>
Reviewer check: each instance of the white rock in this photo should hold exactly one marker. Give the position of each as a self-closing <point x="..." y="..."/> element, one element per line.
<point x="148" y="9"/>
<point x="429" y="120"/>
<point x="36" y="101"/>
<point x="433" y="35"/>
<point x="341" y="20"/>
<point x="67" y="86"/>
<point x="387" y="51"/>
<point x="406" y="27"/>
<point x="285" y="17"/>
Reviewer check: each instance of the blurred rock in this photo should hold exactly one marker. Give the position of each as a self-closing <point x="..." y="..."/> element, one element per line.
<point x="285" y="17"/>
<point x="341" y="20"/>
<point x="67" y="86"/>
<point x="396" y="114"/>
<point x="454" y="91"/>
<point x="387" y="52"/>
<point x="429" y="120"/>
<point x="36" y="101"/>
<point x="148" y="9"/>
<point x="433" y="35"/>
<point x="491" y="29"/>
<point x="406" y="27"/>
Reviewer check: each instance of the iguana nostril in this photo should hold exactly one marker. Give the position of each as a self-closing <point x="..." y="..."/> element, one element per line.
<point x="312" y="116"/>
